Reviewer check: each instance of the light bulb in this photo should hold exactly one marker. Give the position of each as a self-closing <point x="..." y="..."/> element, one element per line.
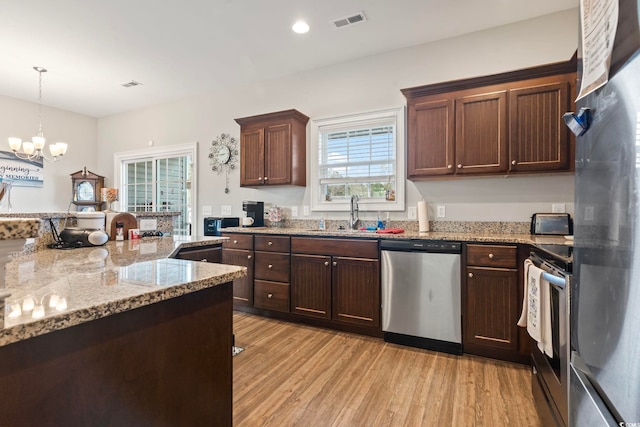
<point x="28" y="147"/>
<point x="300" y="27"/>
<point x="62" y="304"/>
<point x="38" y="142"/>
<point x="15" y="143"/>
<point x="28" y="303"/>
<point x="16" y="311"/>
<point x="38" y="312"/>
<point x="53" y="301"/>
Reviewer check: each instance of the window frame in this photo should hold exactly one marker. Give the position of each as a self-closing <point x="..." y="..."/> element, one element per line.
<point x="188" y="149"/>
<point x="398" y="117"/>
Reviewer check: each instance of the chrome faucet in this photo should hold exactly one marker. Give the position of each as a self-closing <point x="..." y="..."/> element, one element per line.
<point x="353" y="214"/>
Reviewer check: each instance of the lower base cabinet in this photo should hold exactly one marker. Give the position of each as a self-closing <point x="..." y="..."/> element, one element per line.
<point x="492" y="302"/>
<point x="336" y="280"/>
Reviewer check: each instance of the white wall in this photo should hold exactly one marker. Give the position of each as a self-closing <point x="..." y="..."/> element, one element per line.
<point x="362" y="85"/>
<point x="20" y="119"/>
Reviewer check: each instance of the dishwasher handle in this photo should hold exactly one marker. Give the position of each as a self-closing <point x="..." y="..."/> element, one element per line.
<point x="431" y="246"/>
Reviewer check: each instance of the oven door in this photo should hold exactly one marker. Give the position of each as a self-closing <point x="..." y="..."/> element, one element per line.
<point x="554" y="370"/>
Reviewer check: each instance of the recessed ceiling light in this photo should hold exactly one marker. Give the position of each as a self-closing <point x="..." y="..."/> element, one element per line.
<point x="300" y="27"/>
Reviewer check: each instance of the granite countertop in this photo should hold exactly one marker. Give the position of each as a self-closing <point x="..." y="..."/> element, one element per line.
<point x="485" y="236"/>
<point x="56" y="289"/>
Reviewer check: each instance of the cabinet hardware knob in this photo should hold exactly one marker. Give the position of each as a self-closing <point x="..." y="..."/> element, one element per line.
<point x="326" y="263"/>
<point x="266" y="178"/>
<point x="513" y="162"/>
<point x="269" y="296"/>
<point x="235" y="242"/>
<point x="335" y="263"/>
<point x="270" y="243"/>
<point x="270" y="266"/>
<point x="470" y="274"/>
<point x="248" y="256"/>
<point x="449" y="166"/>
<point x="490" y="256"/>
<point x="459" y="165"/>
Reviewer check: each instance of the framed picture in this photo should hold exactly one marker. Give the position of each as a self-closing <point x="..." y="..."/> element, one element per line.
<point x="23" y="173"/>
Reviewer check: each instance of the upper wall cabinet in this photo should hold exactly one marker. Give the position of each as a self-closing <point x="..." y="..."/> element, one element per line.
<point x="501" y="124"/>
<point x="273" y="149"/>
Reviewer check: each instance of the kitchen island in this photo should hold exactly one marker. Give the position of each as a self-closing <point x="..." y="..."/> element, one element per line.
<point x="117" y="335"/>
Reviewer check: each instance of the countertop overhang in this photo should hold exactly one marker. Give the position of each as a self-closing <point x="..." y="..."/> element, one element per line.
<point x="56" y="289"/>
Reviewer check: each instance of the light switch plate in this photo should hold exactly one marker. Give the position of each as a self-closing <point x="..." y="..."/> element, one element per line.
<point x="412" y="212"/>
<point x="206" y="210"/>
<point x="226" y="210"/>
<point x="442" y="212"/>
<point x="305" y="210"/>
<point x="557" y="207"/>
<point x="294" y="211"/>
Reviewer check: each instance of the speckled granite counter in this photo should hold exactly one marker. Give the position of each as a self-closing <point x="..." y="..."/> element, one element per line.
<point x="433" y="235"/>
<point x="55" y="289"/>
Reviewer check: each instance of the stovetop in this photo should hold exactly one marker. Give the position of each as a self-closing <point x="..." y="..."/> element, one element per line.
<point x="559" y="255"/>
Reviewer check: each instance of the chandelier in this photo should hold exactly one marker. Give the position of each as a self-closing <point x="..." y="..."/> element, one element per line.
<point x="33" y="150"/>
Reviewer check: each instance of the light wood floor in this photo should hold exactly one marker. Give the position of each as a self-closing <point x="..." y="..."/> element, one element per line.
<point x="293" y="375"/>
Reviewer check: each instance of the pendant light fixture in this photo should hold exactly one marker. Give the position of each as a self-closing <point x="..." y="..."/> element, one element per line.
<point x="33" y="150"/>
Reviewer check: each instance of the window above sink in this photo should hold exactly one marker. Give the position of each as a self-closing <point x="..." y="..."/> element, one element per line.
<point x="359" y="154"/>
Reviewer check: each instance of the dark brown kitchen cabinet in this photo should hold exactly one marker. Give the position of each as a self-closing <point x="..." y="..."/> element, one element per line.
<point x="336" y="279"/>
<point x="238" y="250"/>
<point x="431" y="138"/>
<point x="538" y="137"/>
<point x="491" y="301"/>
<point x="311" y="285"/>
<point x="212" y="253"/>
<point x="506" y="123"/>
<point x="481" y="131"/>
<point x="271" y="273"/>
<point x="273" y="149"/>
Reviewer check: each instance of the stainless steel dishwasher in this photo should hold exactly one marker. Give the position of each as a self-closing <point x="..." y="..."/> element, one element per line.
<point x="421" y="294"/>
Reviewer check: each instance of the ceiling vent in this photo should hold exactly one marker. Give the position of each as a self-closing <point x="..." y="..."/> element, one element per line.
<point x="132" y="83"/>
<point x="348" y="20"/>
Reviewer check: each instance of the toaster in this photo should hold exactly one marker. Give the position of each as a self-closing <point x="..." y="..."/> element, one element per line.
<point x="555" y="224"/>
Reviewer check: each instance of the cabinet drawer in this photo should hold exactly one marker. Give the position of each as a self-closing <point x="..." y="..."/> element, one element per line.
<point x="271" y="266"/>
<point x="357" y="248"/>
<point x="492" y="256"/>
<point x="238" y="241"/>
<point x="271" y="295"/>
<point x="207" y="254"/>
<point x="273" y="243"/>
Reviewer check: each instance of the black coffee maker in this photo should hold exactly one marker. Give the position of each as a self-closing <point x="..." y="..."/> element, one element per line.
<point x="254" y="210"/>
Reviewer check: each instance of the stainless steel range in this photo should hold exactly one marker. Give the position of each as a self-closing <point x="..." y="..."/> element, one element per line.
<point x="549" y="381"/>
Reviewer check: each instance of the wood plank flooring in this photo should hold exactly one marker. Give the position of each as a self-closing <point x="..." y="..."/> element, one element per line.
<point x="294" y="375"/>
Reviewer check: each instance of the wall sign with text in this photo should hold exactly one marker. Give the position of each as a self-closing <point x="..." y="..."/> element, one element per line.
<point x="24" y="173"/>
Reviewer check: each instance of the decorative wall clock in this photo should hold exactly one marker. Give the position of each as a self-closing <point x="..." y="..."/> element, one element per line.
<point x="223" y="156"/>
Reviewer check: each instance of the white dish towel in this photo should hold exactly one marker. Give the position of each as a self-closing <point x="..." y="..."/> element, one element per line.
<point x="533" y="303"/>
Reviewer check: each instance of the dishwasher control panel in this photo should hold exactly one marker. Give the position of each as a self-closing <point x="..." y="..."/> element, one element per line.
<point x="434" y="246"/>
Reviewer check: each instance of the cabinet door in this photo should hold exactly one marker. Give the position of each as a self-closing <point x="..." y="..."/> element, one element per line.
<point x="278" y="154"/>
<point x="311" y="285"/>
<point x="538" y="137"/>
<point x="242" y="287"/>
<point x="491" y="311"/>
<point x="481" y="133"/>
<point x="356" y="290"/>
<point x="252" y="157"/>
<point x="430" y="133"/>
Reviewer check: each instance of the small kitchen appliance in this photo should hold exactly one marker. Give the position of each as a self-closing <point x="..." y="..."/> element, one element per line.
<point x="558" y="224"/>
<point x="213" y="225"/>
<point x="254" y="210"/>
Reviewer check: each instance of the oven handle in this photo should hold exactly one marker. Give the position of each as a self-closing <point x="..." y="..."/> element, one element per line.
<point x="560" y="282"/>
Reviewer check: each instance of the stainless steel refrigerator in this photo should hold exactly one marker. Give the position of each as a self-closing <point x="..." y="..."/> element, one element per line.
<point x="604" y="385"/>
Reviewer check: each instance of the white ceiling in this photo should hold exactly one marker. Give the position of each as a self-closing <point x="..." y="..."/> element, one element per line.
<point x="177" y="48"/>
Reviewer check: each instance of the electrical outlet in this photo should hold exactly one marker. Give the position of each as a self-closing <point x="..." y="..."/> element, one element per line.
<point x="441" y="211"/>
<point x="557" y="208"/>
<point x="226" y="210"/>
<point x="148" y="224"/>
<point x="412" y="212"/>
<point x="206" y="210"/>
<point x="305" y="210"/>
<point x="294" y="211"/>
